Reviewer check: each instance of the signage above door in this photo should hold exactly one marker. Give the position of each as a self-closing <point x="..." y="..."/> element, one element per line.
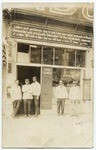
<point x="51" y="35"/>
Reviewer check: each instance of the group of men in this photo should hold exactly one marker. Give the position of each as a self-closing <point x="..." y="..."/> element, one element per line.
<point x="33" y="91"/>
<point x="62" y="94"/>
<point x="30" y="91"/>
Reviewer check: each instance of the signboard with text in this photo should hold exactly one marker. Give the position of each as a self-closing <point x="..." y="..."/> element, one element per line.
<point x="46" y="94"/>
<point x="51" y="35"/>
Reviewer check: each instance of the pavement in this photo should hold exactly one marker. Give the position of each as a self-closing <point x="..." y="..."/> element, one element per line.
<point x="48" y="131"/>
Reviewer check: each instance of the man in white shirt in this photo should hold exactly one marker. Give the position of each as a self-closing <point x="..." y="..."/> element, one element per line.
<point x="36" y="91"/>
<point x="27" y="97"/>
<point x="74" y="96"/>
<point x="61" y="95"/>
<point x="16" y="96"/>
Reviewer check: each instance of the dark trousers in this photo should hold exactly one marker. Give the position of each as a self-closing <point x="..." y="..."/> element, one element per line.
<point x="16" y="106"/>
<point x="60" y="105"/>
<point x="36" y="102"/>
<point x="27" y="106"/>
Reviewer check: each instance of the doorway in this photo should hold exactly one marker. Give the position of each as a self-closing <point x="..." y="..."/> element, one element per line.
<point x="28" y="72"/>
<point x="24" y="72"/>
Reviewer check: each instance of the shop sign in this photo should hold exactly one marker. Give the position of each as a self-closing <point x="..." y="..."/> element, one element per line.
<point x="50" y="35"/>
<point x="46" y="93"/>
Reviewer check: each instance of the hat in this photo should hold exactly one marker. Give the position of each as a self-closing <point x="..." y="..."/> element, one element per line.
<point x="27" y="80"/>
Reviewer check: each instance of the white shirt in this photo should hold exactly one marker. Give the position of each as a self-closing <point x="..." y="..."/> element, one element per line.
<point x="61" y="92"/>
<point x="16" y="93"/>
<point x="74" y="93"/>
<point x="36" y="89"/>
<point x="26" y="89"/>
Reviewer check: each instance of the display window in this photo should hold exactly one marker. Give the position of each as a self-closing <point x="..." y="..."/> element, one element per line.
<point x="51" y="55"/>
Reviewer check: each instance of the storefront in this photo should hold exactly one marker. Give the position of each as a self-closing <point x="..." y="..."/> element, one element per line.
<point x="45" y="47"/>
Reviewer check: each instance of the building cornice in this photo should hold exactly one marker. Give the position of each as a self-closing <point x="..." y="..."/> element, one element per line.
<point x="67" y="19"/>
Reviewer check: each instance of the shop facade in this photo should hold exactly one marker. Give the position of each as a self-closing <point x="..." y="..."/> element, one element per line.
<point x="51" y="49"/>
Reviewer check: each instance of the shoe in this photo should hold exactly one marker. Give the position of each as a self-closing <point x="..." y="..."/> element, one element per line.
<point x="72" y="115"/>
<point x="35" y="115"/>
<point x="76" y="115"/>
<point x="16" y="117"/>
<point x="25" y="116"/>
<point x="58" y="114"/>
<point x="63" y="114"/>
<point x="13" y="117"/>
<point x="29" y="115"/>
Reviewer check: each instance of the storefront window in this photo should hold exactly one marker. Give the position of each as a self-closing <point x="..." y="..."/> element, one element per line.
<point x="70" y="58"/>
<point x="59" y="56"/>
<point x="23" y="53"/>
<point x="66" y="75"/>
<point x="48" y="55"/>
<point x="35" y="54"/>
<point x="69" y="75"/>
<point x="56" y="76"/>
<point x="23" y="48"/>
<point x="80" y="58"/>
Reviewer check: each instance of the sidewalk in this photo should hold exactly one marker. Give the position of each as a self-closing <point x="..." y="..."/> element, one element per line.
<point x="48" y="131"/>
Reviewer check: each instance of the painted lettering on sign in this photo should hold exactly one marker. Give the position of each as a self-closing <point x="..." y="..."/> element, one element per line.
<point x="46" y="94"/>
<point x="37" y="33"/>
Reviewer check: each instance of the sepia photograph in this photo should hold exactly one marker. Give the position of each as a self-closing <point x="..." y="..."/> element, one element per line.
<point x="48" y="75"/>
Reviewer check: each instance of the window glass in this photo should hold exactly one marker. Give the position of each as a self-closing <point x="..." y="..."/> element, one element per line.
<point x="59" y="56"/>
<point x="70" y="58"/>
<point x="80" y="58"/>
<point x="24" y="48"/>
<point x="67" y="76"/>
<point x="35" y="54"/>
<point x="48" y="55"/>
<point x="56" y="76"/>
<point x="51" y="55"/>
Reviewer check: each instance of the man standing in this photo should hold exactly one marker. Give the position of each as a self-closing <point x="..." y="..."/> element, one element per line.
<point x="61" y="96"/>
<point x="27" y="97"/>
<point x="74" y="96"/>
<point x="16" y="96"/>
<point x="36" y="90"/>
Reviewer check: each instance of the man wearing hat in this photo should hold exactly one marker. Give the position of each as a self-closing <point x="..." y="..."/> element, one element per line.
<point x="27" y="97"/>
<point x="74" y="96"/>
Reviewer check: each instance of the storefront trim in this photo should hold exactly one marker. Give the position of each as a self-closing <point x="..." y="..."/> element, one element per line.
<point x="52" y="44"/>
<point x="51" y="66"/>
